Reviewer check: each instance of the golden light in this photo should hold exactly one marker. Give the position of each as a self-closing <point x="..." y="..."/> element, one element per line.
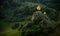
<point x="44" y="13"/>
<point x="38" y="7"/>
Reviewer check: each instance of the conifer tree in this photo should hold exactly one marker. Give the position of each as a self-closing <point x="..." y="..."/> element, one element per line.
<point x="40" y="24"/>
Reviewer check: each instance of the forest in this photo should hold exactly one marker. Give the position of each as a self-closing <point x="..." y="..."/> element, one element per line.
<point x="29" y="17"/>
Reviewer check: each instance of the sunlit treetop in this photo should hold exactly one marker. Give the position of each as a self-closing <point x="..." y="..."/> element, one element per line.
<point x="38" y="7"/>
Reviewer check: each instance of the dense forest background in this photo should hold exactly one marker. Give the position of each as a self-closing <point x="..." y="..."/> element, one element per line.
<point x="20" y="12"/>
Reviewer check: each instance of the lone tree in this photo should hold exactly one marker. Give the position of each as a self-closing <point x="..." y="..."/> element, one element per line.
<point x="40" y="25"/>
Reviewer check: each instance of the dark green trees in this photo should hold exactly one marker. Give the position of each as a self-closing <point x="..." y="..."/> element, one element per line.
<point x="40" y="25"/>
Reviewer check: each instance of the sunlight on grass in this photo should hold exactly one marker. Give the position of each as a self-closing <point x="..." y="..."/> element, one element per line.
<point x="11" y="33"/>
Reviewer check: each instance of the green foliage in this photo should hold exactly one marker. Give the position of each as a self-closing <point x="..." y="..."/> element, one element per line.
<point x="39" y="26"/>
<point x="20" y="11"/>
